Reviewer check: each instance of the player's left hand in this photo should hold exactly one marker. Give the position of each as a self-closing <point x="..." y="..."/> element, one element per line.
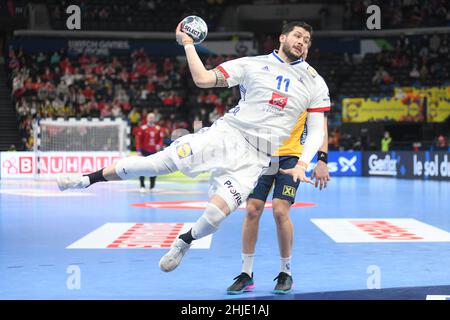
<point x="321" y="175"/>
<point x="297" y="173"/>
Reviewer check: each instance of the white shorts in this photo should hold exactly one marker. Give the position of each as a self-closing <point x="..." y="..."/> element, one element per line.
<point x="235" y="165"/>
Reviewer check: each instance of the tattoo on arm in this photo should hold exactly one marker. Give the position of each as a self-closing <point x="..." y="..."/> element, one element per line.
<point x="220" y="79"/>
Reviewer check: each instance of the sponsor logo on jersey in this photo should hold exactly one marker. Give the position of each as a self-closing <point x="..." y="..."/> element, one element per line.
<point x="312" y="71"/>
<point x="278" y="100"/>
<point x="236" y="195"/>
<point x="184" y="150"/>
<point x="265" y="68"/>
<point x="289" y="191"/>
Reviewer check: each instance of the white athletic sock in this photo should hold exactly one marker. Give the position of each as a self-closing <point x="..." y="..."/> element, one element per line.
<point x="286" y="265"/>
<point x="85" y="182"/>
<point x="247" y="263"/>
<point x="209" y="222"/>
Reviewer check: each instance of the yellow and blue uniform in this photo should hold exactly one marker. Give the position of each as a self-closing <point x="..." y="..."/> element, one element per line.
<point x="287" y="157"/>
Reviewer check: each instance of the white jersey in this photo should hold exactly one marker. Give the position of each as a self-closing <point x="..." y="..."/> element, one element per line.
<point x="273" y="95"/>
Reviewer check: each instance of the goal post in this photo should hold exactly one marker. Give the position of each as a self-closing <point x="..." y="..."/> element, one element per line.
<point x="78" y="145"/>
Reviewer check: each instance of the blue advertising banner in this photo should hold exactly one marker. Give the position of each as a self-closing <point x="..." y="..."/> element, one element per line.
<point x="100" y="47"/>
<point x="342" y="163"/>
<point x="408" y="165"/>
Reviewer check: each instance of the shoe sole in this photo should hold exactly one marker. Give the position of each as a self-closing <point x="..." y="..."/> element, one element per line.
<point x="246" y="289"/>
<point x="174" y="265"/>
<point x="167" y="269"/>
<point x="282" y="291"/>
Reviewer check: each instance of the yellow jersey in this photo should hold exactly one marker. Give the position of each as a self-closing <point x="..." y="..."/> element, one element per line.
<point x="293" y="145"/>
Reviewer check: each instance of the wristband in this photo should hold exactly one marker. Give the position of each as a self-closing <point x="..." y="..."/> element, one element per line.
<point x="188" y="46"/>
<point x="322" y="156"/>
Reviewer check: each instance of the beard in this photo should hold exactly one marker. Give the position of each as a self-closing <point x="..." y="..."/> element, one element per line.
<point x="288" y="52"/>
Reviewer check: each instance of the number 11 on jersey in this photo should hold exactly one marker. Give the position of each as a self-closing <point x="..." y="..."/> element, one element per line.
<point x="286" y="83"/>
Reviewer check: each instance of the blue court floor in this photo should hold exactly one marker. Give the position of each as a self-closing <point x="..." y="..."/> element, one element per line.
<point x="360" y="234"/>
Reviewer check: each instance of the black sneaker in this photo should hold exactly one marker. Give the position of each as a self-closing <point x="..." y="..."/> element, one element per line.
<point x="284" y="283"/>
<point x="242" y="284"/>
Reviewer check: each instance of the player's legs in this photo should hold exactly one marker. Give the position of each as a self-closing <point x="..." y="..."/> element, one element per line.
<point x="250" y="227"/>
<point x="126" y="168"/>
<point x="151" y="179"/>
<point x="226" y="195"/>
<point x="152" y="182"/>
<point x="285" y="233"/>
<point x="244" y="281"/>
<point x="216" y="211"/>
<point x="285" y="229"/>
<point x="234" y="165"/>
<point x="142" y="181"/>
<point x="255" y="207"/>
<point x="283" y="197"/>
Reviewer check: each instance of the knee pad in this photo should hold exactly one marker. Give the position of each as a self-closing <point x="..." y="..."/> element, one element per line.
<point x="214" y="215"/>
<point x="209" y="222"/>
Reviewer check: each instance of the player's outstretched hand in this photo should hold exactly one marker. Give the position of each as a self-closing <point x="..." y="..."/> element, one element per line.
<point x="321" y="175"/>
<point x="297" y="173"/>
<point x="182" y="38"/>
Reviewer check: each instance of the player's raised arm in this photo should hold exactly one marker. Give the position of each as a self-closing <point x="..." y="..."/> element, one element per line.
<point x="202" y="78"/>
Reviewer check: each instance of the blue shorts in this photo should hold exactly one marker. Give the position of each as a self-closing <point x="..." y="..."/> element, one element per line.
<point x="285" y="187"/>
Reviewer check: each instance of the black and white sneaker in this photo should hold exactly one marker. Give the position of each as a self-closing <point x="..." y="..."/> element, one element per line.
<point x="72" y="181"/>
<point x="242" y="284"/>
<point x="172" y="259"/>
<point x="284" y="283"/>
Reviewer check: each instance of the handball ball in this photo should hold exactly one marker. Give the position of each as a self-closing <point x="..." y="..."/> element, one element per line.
<point x="195" y="27"/>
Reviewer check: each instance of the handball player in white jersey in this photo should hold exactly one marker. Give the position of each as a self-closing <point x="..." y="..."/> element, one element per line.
<point x="275" y="90"/>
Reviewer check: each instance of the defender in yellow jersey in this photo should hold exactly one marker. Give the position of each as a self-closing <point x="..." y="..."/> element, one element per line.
<point x="285" y="189"/>
<point x="292" y="147"/>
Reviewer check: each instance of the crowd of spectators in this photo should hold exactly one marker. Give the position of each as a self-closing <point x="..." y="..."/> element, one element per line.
<point x="396" y="14"/>
<point x="59" y="85"/>
<point x="143" y="15"/>
<point x="425" y="59"/>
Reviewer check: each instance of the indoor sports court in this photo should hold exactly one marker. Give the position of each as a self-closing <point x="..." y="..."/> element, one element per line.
<point x="358" y="91"/>
<point x="111" y="238"/>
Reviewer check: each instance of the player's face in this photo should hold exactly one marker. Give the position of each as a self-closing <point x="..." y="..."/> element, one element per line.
<point x="151" y="118"/>
<point x="295" y="43"/>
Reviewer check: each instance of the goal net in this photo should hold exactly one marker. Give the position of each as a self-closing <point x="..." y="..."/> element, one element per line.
<point x="78" y="145"/>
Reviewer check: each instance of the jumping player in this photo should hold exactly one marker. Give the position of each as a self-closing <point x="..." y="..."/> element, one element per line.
<point x="276" y="89"/>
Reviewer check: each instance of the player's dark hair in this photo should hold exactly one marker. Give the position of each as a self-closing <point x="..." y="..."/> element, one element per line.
<point x="288" y="27"/>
